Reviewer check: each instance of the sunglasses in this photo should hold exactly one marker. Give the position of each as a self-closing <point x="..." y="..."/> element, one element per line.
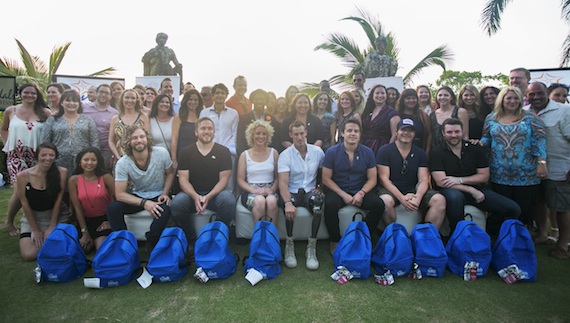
<point x="404" y="167"/>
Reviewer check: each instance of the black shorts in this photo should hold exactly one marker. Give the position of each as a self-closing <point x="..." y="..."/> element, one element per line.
<point x="93" y="224"/>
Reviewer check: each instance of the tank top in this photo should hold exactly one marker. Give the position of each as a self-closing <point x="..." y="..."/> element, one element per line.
<point x="260" y="172"/>
<point x="93" y="196"/>
<point x="121" y="131"/>
<point x="23" y="134"/>
<point x="39" y="200"/>
<point x="436" y="136"/>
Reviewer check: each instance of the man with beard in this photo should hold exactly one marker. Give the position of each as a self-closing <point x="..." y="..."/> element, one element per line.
<point x="203" y="172"/>
<point x="102" y="112"/>
<point x="149" y="172"/>
<point x="460" y="171"/>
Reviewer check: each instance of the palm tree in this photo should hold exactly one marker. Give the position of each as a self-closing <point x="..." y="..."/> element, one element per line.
<point x="491" y="23"/>
<point x="353" y="56"/>
<point x="35" y="69"/>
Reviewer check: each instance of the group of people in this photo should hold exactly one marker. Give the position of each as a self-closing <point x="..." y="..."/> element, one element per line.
<point x="486" y="149"/>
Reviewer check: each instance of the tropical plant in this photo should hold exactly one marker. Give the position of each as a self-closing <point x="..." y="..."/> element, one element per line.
<point x="353" y="56"/>
<point x="456" y="79"/>
<point x="491" y="23"/>
<point x="34" y="69"/>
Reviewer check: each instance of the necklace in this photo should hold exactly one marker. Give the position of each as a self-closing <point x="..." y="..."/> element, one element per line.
<point x="91" y="202"/>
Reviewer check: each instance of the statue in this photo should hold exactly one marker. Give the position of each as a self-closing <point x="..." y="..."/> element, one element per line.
<point x="157" y="60"/>
<point x="377" y="63"/>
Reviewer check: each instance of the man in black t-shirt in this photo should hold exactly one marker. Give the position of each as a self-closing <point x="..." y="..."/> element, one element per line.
<point x="203" y="172"/>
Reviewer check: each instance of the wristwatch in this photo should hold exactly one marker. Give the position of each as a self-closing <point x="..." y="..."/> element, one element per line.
<point x="83" y="230"/>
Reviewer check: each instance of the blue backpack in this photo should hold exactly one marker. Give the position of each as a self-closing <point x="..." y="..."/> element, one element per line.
<point x="61" y="257"/>
<point x="264" y="250"/>
<point x="117" y="261"/>
<point x="394" y="251"/>
<point x="166" y="261"/>
<point x="429" y="251"/>
<point x="468" y="243"/>
<point x="515" y="247"/>
<point x="212" y="251"/>
<point x="354" y="250"/>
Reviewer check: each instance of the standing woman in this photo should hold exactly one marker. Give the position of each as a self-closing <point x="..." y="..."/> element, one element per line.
<point x="91" y="190"/>
<point x="446" y="102"/>
<point x="70" y="130"/>
<point x="301" y="107"/>
<point x="141" y="91"/>
<point x="469" y="100"/>
<point x="360" y="99"/>
<point x="54" y="92"/>
<point x="379" y="121"/>
<point x="409" y="108"/>
<point x="184" y="123"/>
<point x="393" y="96"/>
<point x="271" y="103"/>
<point x="40" y="189"/>
<point x="278" y="118"/>
<point x="150" y="94"/>
<point x="558" y="92"/>
<point x="130" y="114"/>
<point x="487" y="97"/>
<point x="117" y="89"/>
<point x="517" y="142"/>
<point x="322" y="107"/>
<point x="21" y="131"/>
<point x="257" y="172"/>
<point x="424" y="96"/>
<point x="347" y="110"/>
<point x="290" y="94"/>
<point x="161" y="117"/>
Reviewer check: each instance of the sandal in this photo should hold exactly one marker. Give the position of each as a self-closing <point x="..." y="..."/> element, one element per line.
<point x="560" y="254"/>
<point x="543" y="241"/>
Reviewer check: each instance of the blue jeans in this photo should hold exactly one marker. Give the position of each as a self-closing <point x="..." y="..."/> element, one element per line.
<point x="224" y="204"/>
<point x="500" y="207"/>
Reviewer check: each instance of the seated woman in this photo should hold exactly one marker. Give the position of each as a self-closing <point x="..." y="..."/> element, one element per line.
<point x="40" y="189"/>
<point x="257" y="172"/>
<point x="91" y="191"/>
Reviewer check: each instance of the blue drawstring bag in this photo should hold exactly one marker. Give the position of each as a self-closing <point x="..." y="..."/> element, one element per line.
<point x="468" y="243"/>
<point x="61" y="258"/>
<point x="394" y="251"/>
<point x="354" y="250"/>
<point x="212" y="251"/>
<point x="515" y="247"/>
<point x="117" y="261"/>
<point x="167" y="261"/>
<point x="264" y="250"/>
<point x="429" y="252"/>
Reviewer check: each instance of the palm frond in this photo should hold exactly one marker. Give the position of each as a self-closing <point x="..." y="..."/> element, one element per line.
<point x="28" y="61"/>
<point x="103" y="72"/>
<point x="344" y="48"/>
<point x="438" y="56"/>
<point x="10" y="67"/>
<point x="491" y="16"/>
<point x="566" y="9"/>
<point x="56" y="57"/>
<point x="565" y="61"/>
<point x="368" y="29"/>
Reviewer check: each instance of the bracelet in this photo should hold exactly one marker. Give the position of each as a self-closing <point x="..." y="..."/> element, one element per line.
<point x="361" y="193"/>
<point x="143" y="201"/>
<point x="83" y="230"/>
<point x="542" y="162"/>
<point x="460" y="180"/>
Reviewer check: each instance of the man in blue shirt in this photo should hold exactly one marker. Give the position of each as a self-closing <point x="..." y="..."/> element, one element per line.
<point x="349" y="172"/>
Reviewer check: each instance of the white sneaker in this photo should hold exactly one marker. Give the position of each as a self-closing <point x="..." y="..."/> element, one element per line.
<point x="311" y="254"/>
<point x="290" y="260"/>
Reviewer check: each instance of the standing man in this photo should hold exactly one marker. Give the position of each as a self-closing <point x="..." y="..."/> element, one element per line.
<point x="102" y="112"/>
<point x="167" y="87"/>
<point x="404" y="176"/>
<point x="358" y="80"/>
<point x="91" y="95"/>
<point x="349" y="172"/>
<point x="259" y="99"/>
<point x="556" y="118"/>
<point x="203" y="172"/>
<point x="460" y="171"/>
<point x="149" y="170"/>
<point x="206" y="94"/>
<point x="520" y="77"/>
<point x="299" y="168"/>
<point x="238" y="101"/>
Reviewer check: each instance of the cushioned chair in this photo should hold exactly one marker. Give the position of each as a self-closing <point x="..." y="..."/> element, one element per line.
<point x="139" y="223"/>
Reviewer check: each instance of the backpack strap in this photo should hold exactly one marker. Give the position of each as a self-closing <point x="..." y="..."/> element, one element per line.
<point x="357" y="213"/>
<point x="267" y="217"/>
<point x="214" y="216"/>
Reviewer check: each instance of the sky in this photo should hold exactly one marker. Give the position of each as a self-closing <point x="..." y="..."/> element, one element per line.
<point x="272" y="43"/>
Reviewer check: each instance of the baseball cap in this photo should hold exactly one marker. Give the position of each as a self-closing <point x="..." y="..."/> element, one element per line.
<point x="406" y="123"/>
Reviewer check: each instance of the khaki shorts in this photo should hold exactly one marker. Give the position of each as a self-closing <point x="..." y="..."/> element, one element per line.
<point x="423" y="204"/>
<point x="558" y="195"/>
<point x="43" y="219"/>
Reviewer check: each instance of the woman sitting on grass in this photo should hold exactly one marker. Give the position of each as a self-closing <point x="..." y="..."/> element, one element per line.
<point x="91" y="191"/>
<point x="40" y="189"/>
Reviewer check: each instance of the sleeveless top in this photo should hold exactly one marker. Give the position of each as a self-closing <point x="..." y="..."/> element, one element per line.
<point x="93" y="196"/>
<point x="340" y="121"/>
<point x="39" y="200"/>
<point x="161" y="133"/>
<point x="23" y="134"/>
<point x="121" y="130"/>
<point x="437" y="137"/>
<point x="260" y="172"/>
<point x="186" y="136"/>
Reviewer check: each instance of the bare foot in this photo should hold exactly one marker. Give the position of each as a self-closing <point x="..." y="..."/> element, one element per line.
<point x="12" y="230"/>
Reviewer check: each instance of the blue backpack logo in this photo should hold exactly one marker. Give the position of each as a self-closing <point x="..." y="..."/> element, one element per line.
<point x="264" y="250"/>
<point x="166" y="261"/>
<point x="61" y="257"/>
<point x="469" y="243"/>
<point x="394" y="251"/>
<point x="117" y="261"/>
<point x="212" y="251"/>
<point x="515" y="247"/>
<point x="354" y="250"/>
<point x="429" y="251"/>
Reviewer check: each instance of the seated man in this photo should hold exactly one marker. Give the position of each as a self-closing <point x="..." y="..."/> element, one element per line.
<point x="460" y="171"/>
<point x="298" y="168"/>
<point x="203" y="172"/>
<point x="349" y="172"/>
<point x="403" y="172"/>
<point x="149" y="171"/>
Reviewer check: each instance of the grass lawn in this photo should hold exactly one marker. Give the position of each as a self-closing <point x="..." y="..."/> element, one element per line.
<point x="297" y="295"/>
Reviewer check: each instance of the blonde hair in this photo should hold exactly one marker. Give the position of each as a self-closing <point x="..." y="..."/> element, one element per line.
<point x="500" y="109"/>
<point x="475" y="92"/>
<point x="251" y="129"/>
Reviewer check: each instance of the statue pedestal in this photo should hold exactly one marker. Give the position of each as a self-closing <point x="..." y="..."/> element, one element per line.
<point x="392" y="81"/>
